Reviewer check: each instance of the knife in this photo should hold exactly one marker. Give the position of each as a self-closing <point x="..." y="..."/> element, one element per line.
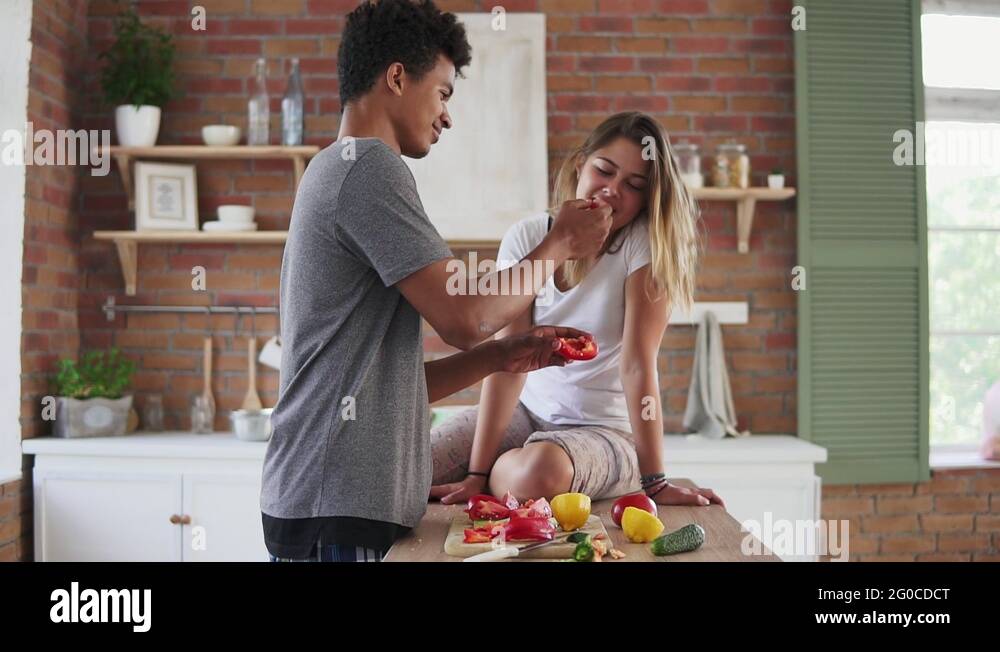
<point x="514" y="551"/>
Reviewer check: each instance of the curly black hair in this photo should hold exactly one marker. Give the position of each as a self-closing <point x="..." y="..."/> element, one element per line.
<point x="381" y="32"/>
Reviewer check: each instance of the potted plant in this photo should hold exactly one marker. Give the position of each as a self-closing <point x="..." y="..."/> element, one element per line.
<point x="138" y="78"/>
<point x="776" y="179"/>
<point x="91" y="399"/>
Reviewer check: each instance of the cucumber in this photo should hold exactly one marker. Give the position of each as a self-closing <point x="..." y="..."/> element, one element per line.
<point x="686" y="539"/>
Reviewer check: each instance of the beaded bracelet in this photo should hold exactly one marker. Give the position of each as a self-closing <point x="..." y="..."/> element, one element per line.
<point x="653" y="495"/>
<point x="652" y="478"/>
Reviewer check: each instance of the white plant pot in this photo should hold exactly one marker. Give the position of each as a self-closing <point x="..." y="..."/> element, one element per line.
<point x="775" y="181"/>
<point x="91" y="417"/>
<point x="137" y="127"/>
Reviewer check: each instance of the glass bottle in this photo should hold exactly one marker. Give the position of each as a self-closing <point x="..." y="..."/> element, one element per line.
<point x="202" y="415"/>
<point x="152" y="413"/>
<point x="258" y="109"/>
<point x="292" y="108"/>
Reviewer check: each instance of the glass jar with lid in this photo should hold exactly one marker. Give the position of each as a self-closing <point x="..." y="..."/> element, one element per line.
<point x="689" y="163"/>
<point x="732" y="166"/>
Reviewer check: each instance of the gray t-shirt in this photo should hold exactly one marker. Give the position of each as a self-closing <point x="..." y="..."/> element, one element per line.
<point x="357" y="228"/>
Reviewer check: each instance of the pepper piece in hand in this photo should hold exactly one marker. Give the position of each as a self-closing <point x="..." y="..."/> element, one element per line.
<point x="577" y="348"/>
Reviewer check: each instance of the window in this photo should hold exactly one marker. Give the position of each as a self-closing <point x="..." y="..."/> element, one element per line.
<point x="962" y="151"/>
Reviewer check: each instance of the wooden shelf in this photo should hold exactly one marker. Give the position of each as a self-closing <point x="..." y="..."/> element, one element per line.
<point x="746" y="201"/>
<point x="125" y="156"/>
<point x="127" y="244"/>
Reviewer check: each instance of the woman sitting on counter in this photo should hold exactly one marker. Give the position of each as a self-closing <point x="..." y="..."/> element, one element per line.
<point x="592" y="426"/>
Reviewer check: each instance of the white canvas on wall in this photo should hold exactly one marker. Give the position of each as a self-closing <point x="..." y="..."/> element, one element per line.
<point x="490" y="170"/>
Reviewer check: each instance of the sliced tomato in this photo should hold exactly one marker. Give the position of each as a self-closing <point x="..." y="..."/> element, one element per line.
<point x="485" y="510"/>
<point x="477" y="536"/>
<point x="578" y="348"/>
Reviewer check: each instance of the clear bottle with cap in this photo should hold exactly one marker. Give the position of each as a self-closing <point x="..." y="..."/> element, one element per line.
<point x="292" y="108"/>
<point x="258" y="108"/>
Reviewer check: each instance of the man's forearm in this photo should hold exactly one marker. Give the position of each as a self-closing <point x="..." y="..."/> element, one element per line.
<point x="456" y="372"/>
<point x="491" y="312"/>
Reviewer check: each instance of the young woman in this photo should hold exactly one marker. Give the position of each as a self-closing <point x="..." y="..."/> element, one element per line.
<point x="592" y="426"/>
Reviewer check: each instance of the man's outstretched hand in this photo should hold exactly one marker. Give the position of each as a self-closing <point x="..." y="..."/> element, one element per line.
<point x="534" y="349"/>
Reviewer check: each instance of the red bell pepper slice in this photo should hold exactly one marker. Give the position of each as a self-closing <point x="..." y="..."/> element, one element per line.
<point x="534" y="528"/>
<point x="477" y="536"/>
<point x="577" y="348"/>
<point x="510" y="501"/>
<point x="478" y="497"/>
<point x="540" y="507"/>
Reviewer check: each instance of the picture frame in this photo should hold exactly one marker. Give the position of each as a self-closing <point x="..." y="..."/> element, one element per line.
<point x="166" y="197"/>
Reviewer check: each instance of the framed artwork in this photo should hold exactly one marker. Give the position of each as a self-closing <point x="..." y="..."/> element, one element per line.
<point x="491" y="169"/>
<point x="166" y="197"/>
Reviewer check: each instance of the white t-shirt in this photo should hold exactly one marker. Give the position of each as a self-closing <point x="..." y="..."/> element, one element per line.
<point x="584" y="392"/>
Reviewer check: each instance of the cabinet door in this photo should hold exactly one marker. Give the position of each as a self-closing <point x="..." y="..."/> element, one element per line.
<point x="775" y="505"/>
<point x="106" y="516"/>
<point x="224" y="511"/>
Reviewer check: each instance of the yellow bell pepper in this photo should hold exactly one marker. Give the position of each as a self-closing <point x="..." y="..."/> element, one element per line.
<point x="640" y="526"/>
<point x="571" y="510"/>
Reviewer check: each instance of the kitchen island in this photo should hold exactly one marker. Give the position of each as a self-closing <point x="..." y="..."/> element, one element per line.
<point x="723" y="537"/>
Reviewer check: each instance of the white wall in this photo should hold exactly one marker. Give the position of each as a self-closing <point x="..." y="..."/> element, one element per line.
<point x="491" y="169"/>
<point x="15" y="55"/>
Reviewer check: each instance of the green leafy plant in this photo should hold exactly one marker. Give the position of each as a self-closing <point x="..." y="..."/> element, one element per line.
<point x="777" y="171"/>
<point x="104" y="374"/>
<point x="139" y="64"/>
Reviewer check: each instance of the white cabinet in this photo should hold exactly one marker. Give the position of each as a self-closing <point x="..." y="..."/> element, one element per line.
<point x="767" y="479"/>
<point x="79" y="516"/>
<point x="163" y="497"/>
<point x="224" y="523"/>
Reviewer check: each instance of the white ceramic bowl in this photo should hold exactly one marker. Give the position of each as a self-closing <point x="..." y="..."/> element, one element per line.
<point x="252" y="425"/>
<point x="236" y="214"/>
<point x="220" y="135"/>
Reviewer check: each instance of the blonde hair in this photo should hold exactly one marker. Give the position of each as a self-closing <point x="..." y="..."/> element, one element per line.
<point x="671" y="212"/>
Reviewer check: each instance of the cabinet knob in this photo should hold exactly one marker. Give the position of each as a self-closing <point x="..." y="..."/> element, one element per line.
<point x="175" y="519"/>
<point x="185" y="520"/>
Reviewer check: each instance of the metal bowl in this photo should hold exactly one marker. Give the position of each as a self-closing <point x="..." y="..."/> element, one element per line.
<point x="251" y="425"/>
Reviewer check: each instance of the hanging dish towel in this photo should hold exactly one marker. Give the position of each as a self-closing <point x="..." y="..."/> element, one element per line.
<point x="710" y="410"/>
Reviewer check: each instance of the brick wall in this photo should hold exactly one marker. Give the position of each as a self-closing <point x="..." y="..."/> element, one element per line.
<point x="953" y="517"/>
<point x="51" y="266"/>
<point x="708" y="69"/>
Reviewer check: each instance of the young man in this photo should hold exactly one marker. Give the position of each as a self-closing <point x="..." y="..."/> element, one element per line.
<point x="348" y="466"/>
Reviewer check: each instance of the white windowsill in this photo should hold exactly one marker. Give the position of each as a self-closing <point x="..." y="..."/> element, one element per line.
<point x="959" y="456"/>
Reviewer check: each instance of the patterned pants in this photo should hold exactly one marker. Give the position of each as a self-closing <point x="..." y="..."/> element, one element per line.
<point x="333" y="552"/>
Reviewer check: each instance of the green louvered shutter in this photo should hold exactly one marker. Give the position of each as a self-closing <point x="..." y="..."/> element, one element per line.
<point x="862" y="239"/>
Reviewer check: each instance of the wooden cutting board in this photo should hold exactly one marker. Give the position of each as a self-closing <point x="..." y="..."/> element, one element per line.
<point x="454" y="543"/>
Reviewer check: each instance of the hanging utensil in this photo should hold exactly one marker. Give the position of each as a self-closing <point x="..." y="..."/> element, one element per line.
<point x="252" y="400"/>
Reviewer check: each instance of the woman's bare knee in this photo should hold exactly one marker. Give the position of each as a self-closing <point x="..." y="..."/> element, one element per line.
<point x="545" y="471"/>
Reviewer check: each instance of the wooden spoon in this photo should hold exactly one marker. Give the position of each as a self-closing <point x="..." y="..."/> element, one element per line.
<point x="206" y="367"/>
<point x="252" y="401"/>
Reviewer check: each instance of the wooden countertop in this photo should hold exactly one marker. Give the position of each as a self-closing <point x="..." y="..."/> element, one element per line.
<point x="722" y="535"/>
